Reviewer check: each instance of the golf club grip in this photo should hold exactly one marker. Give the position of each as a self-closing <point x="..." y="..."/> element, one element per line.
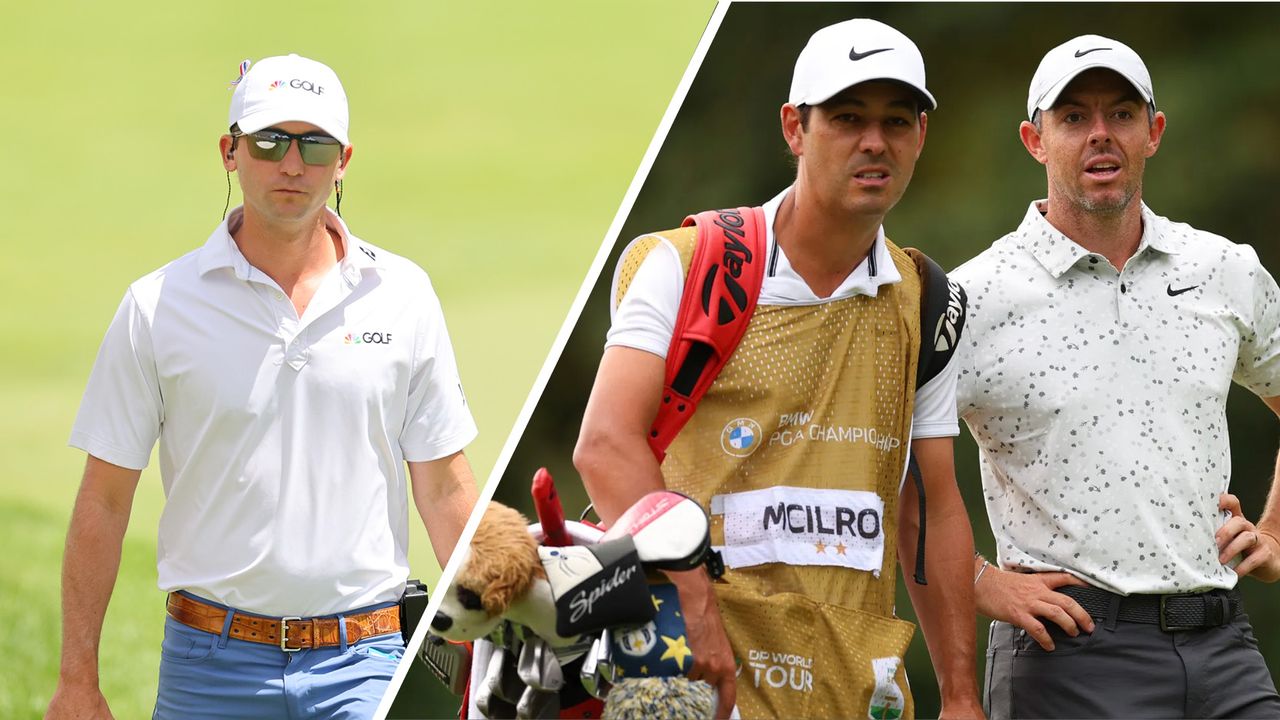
<point x="550" y="512"/>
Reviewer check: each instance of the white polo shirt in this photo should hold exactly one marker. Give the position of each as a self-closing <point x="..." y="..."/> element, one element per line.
<point x="646" y="318"/>
<point x="1098" y="397"/>
<point x="282" y="439"/>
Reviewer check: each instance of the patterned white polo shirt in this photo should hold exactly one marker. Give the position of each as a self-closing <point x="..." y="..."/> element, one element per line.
<point x="1098" y="397"/>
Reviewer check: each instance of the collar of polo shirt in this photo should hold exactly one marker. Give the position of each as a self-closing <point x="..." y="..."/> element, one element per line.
<point x="1059" y="253"/>
<point x="221" y="250"/>
<point x="784" y="286"/>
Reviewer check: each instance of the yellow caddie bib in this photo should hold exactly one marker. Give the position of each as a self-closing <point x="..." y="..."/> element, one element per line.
<point x="798" y="452"/>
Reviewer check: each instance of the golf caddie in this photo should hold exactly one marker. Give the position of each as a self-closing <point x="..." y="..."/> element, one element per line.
<point x="799" y="447"/>
<point x="289" y="370"/>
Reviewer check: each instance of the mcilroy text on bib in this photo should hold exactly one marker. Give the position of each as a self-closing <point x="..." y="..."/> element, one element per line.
<point x="802" y="526"/>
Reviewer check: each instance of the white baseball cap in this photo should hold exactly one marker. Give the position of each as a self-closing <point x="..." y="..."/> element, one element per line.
<point x="855" y="51"/>
<point x="1062" y="64"/>
<point x="290" y="88"/>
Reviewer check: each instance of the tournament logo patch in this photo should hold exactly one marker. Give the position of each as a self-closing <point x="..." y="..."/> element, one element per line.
<point x="637" y="642"/>
<point x="741" y="437"/>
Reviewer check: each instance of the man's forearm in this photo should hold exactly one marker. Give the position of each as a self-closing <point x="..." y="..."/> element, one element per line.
<point x="616" y="471"/>
<point x="89" y="569"/>
<point x="612" y="454"/>
<point x="945" y="607"/>
<point x="1269" y="523"/>
<point x="444" y="492"/>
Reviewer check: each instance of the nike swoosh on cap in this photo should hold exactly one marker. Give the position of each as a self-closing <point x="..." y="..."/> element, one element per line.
<point x="1082" y="53"/>
<point x="855" y="56"/>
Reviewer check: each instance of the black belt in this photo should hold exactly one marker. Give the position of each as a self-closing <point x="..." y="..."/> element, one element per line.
<point x="1191" y="611"/>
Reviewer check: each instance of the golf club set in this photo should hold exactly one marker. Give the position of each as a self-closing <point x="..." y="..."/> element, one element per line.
<point x="619" y="612"/>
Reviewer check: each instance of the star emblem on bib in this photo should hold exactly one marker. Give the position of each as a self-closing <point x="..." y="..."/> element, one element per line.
<point x="677" y="650"/>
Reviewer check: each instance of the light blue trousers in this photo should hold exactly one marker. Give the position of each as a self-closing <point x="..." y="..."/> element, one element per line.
<point x="206" y="675"/>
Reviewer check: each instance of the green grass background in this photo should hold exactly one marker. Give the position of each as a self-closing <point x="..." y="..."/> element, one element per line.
<point x="494" y="142"/>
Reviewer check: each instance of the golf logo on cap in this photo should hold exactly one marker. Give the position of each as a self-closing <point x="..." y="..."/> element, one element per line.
<point x="297" y="84"/>
<point x="1082" y="53"/>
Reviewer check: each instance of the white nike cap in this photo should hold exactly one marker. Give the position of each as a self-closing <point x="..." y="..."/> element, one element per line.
<point x="1062" y="64"/>
<point x="289" y="89"/>
<point x="856" y="51"/>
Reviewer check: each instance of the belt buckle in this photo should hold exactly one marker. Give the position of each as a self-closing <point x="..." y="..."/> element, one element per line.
<point x="1164" y="622"/>
<point x="284" y="634"/>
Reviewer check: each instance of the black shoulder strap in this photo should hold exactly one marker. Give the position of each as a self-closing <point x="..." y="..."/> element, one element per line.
<point x="942" y="310"/>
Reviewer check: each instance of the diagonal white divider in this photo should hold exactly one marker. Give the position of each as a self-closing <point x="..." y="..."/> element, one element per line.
<point x="575" y="312"/>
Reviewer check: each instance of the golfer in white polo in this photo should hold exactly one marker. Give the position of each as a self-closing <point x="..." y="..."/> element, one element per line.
<point x="1101" y="342"/>
<point x="289" y="370"/>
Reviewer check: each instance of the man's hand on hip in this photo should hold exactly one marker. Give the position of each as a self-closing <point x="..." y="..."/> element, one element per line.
<point x="712" y="656"/>
<point x="1237" y="536"/>
<point x="1025" y="599"/>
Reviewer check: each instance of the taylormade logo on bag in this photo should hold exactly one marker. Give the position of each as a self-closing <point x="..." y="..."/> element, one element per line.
<point x="947" y="332"/>
<point x="583" y="602"/>
<point x="735" y="254"/>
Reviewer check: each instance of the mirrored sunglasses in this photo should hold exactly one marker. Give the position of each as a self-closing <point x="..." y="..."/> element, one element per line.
<point x="273" y="145"/>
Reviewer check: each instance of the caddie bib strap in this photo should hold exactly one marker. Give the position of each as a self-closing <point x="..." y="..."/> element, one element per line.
<point x="724" y="278"/>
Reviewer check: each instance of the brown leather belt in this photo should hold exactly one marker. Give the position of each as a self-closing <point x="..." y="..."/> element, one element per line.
<point x="291" y="634"/>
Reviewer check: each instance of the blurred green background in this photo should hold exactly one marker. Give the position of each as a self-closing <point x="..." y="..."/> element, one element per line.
<point x="1214" y="69"/>
<point x="494" y="142"/>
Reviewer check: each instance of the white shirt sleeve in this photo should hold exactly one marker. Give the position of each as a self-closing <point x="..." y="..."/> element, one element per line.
<point x="646" y="317"/>
<point x="1258" y="363"/>
<point x="935" y="410"/>
<point x="438" y="422"/>
<point x="120" y="415"/>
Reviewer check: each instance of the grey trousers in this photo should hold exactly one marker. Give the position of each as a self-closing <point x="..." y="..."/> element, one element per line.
<point x="1129" y="670"/>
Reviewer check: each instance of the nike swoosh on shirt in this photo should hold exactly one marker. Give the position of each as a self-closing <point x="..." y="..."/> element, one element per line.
<point x="1082" y="53"/>
<point x="1175" y="293"/>
<point x="856" y="56"/>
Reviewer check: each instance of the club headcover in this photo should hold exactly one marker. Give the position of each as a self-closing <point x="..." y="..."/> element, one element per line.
<point x="663" y="697"/>
<point x="658" y="648"/>
<point x="671" y="531"/>
<point x="596" y="586"/>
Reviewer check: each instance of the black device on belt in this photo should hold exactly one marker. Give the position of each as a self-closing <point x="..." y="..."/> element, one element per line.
<point x="412" y="604"/>
<point x="1189" y="611"/>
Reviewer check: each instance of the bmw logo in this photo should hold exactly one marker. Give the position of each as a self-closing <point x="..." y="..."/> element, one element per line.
<point x="741" y="437"/>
